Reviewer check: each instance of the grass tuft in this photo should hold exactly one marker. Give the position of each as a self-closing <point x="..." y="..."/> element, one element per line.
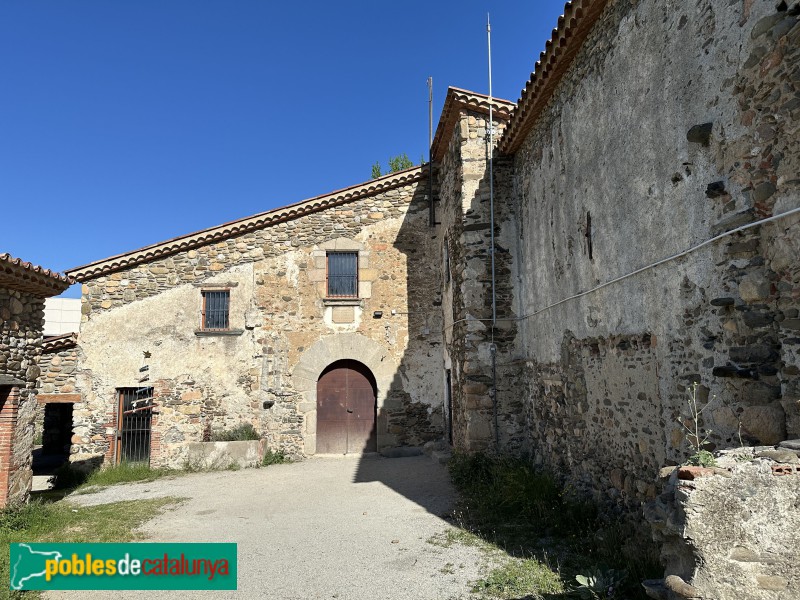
<point x="63" y="523"/>
<point x="520" y="577"/>
<point x="125" y="473"/>
<point x="275" y="458"/>
<point x="69" y="478"/>
<point x="530" y="517"/>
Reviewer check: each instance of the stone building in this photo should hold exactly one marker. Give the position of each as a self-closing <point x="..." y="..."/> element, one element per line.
<point x="646" y="238"/>
<point x="644" y="197"/>
<point x="23" y="289"/>
<point x="318" y="323"/>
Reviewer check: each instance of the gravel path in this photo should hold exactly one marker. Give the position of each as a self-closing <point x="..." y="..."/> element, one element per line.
<point x="343" y="528"/>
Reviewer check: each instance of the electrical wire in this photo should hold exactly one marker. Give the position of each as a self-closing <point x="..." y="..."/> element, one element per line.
<point x="637" y="271"/>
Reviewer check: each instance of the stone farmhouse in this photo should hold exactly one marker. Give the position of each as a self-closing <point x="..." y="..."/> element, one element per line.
<point x="554" y="282"/>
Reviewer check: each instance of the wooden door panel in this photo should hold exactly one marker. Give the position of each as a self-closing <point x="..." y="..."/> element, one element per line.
<point x="346" y="410"/>
<point x="332" y="413"/>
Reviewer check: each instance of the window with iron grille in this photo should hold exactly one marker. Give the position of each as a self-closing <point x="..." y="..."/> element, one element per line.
<point x="216" y="305"/>
<point x="342" y="274"/>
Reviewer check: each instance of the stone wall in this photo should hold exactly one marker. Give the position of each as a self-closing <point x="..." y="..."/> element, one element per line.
<point x="58" y="375"/>
<point x="608" y="373"/>
<point x="465" y="232"/>
<point x="730" y="532"/>
<point x="21" y="319"/>
<point x="150" y="315"/>
<point x="58" y="371"/>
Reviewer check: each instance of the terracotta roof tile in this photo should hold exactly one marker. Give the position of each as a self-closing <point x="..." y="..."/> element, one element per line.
<point x="456" y="101"/>
<point x="248" y="224"/>
<point x="22" y="276"/>
<point x="573" y="26"/>
<point x="56" y="343"/>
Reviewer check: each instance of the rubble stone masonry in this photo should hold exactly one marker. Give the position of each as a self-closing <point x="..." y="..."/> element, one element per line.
<point x="676" y="122"/>
<point x="21" y="318"/>
<point x="280" y="323"/>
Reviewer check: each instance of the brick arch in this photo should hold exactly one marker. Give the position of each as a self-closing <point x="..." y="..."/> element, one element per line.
<point x="319" y="356"/>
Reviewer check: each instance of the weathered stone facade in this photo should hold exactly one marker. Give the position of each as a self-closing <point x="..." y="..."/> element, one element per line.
<point x="465" y="237"/>
<point x="23" y="288"/>
<point x="58" y="365"/>
<point x="609" y="370"/>
<point x="19" y="352"/>
<point x="642" y="244"/>
<point x="56" y="392"/>
<point x="730" y="532"/>
<point x="280" y="321"/>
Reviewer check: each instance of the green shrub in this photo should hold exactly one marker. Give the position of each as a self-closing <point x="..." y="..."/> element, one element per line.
<point x="240" y="433"/>
<point x="275" y="458"/>
<point x="702" y="458"/>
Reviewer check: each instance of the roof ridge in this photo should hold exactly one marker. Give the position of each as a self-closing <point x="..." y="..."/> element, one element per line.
<point x="247" y="224"/>
<point x="457" y="99"/>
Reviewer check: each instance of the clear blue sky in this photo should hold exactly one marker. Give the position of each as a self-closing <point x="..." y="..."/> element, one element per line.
<point x="124" y="123"/>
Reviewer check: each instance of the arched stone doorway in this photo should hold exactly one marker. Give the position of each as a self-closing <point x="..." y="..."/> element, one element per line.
<point x="346" y="409"/>
<point x="328" y="350"/>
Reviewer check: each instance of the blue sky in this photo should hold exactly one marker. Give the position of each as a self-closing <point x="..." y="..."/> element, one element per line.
<point x="126" y="123"/>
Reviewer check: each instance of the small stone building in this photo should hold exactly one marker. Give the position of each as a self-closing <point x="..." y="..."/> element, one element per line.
<point x="23" y="289"/>
<point x="318" y="323"/>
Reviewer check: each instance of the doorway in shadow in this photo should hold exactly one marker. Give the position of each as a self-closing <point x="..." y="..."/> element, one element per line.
<point x="52" y="450"/>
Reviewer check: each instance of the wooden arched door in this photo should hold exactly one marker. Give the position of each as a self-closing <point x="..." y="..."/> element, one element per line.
<point x="346" y="394"/>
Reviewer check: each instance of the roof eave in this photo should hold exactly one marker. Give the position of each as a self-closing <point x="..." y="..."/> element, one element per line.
<point x="560" y="50"/>
<point x="456" y="101"/>
<point x="22" y="276"/>
<point x="241" y="226"/>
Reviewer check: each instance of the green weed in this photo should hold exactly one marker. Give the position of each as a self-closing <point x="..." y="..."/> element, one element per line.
<point x="519" y="577"/>
<point x="241" y="433"/>
<point x="64" y="523"/>
<point x="531" y="517"/>
<point x="275" y="458"/>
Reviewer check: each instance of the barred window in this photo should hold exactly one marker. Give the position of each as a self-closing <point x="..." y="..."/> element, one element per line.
<point x="342" y="274"/>
<point x="216" y="306"/>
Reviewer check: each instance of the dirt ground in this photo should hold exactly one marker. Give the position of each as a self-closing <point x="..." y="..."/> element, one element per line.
<point x="343" y="528"/>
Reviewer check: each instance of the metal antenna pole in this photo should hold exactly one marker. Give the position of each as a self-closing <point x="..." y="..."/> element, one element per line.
<point x="431" y="208"/>
<point x="430" y="112"/>
<point x="491" y="173"/>
<point x="492" y="348"/>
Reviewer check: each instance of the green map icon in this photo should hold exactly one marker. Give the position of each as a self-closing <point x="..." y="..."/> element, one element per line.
<point x="27" y="565"/>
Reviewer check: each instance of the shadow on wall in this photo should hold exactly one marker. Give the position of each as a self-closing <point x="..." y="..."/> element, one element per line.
<point x="411" y="410"/>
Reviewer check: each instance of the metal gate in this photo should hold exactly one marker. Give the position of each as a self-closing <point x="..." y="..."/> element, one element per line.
<point x="346" y="409"/>
<point x="135" y="416"/>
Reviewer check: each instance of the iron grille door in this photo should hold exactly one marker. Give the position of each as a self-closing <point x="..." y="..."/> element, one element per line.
<point x="136" y="414"/>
